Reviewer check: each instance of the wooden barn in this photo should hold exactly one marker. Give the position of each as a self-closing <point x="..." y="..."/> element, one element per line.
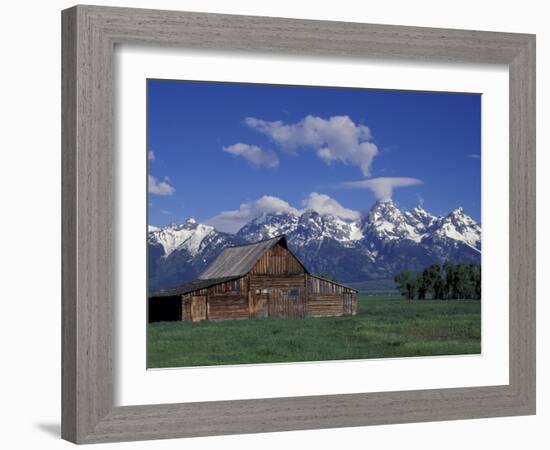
<point x="254" y="281"/>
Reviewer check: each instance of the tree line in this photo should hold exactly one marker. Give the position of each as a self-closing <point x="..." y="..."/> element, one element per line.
<point x="442" y="282"/>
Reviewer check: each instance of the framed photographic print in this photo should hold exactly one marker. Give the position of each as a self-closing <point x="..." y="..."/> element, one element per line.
<point x="308" y="231"/>
<point x="305" y="210"/>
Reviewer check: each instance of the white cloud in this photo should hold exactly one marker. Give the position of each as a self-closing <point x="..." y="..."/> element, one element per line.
<point x="157" y="187"/>
<point x="326" y="205"/>
<point x="231" y="221"/>
<point x="337" y="138"/>
<point x="383" y="187"/>
<point x="254" y="154"/>
<point x="151" y="155"/>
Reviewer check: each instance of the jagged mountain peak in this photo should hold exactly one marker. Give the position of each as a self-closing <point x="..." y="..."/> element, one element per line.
<point x="310" y="227"/>
<point x="386" y="222"/>
<point x="420" y="219"/>
<point x="187" y="236"/>
<point x="310" y="215"/>
<point x="459" y="218"/>
<point x="188" y="224"/>
<point x="419" y="211"/>
<point x="268" y="225"/>
<point x="383" y="241"/>
<point x="457" y="226"/>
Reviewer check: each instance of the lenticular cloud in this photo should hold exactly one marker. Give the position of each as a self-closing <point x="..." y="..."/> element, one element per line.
<point x="383" y="187"/>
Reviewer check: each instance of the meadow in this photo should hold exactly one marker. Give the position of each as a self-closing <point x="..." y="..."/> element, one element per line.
<point x="386" y="326"/>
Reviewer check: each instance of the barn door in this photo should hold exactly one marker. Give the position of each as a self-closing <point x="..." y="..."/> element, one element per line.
<point x="347" y="304"/>
<point x="198" y="308"/>
<point x="295" y="301"/>
<point x="262" y="305"/>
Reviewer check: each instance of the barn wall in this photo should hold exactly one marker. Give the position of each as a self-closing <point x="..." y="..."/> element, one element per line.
<point x="279" y="278"/>
<point x="185" y="308"/>
<point x="278" y="282"/>
<point x="278" y="260"/>
<point x="325" y="305"/>
<point x="287" y="302"/>
<point x="227" y="300"/>
<point x="325" y="298"/>
<point x="227" y="306"/>
<point x="319" y="286"/>
<point x="277" y="287"/>
<point x="238" y="285"/>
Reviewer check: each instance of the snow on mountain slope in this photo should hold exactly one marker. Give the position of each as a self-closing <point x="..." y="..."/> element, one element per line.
<point x="304" y="229"/>
<point x="313" y="226"/>
<point x="420" y="219"/>
<point x="383" y="242"/>
<point x="269" y="225"/>
<point x="188" y="235"/>
<point x="385" y="222"/>
<point x="457" y="226"/>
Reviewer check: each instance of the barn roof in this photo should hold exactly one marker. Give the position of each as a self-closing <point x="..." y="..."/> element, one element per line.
<point x="239" y="260"/>
<point x="194" y="285"/>
<point x="319" y="277"/>
<point x="232" y="263"/>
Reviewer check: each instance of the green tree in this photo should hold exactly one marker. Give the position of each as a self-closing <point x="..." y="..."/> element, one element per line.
<point x="450" y="281"/>
<point x="433" y="280"/>
<point x="407" y="284"/>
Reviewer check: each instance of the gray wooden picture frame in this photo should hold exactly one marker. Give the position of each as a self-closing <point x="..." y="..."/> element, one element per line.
<point x="90" y="34"/>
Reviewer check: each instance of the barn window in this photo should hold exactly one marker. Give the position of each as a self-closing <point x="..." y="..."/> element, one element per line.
<point x="233" y="286"/>
<point x="291" y="292"/>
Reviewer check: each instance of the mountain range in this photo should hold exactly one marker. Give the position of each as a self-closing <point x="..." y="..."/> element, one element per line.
<point x="365" y="253"/>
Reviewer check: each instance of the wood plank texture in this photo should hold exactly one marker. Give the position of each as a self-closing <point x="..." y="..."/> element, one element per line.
<point x="90" y="34"/>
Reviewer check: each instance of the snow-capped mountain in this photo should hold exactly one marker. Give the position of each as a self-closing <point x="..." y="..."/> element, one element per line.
<point x="188" y="235"/>
<point x="385" y="222"/>
<point x="269" y="225"/>
<point x="457" y="226"/>
<point x="382" y="242"/>
<point x="454" y="235"/>
<point x="420" y="219"/>
<point x="179" y="253"/>
<point x="307" y="228"/>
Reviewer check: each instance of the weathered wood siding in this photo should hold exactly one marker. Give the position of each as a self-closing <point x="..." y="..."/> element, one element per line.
<point x="198" y="308"/>
<point x="325" y="298"/>
<point x="325" y="305"/>
<point x="320" y="286"/>
<point x="278" y="260"/>
<point x="228" y="306"/>
<point x="284" y="302"/>
<point x="259" y="282"/>
<point x="238" y="285"/>
<point x="277" y="286"/>
<point x="227" y="300"/>
<point x="185" y="307"/>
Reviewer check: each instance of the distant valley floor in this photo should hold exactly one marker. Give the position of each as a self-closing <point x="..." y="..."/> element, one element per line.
<point x="386" y="326"/>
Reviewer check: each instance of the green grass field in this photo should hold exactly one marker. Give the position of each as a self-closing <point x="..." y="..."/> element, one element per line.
<point x="385" y="326"/>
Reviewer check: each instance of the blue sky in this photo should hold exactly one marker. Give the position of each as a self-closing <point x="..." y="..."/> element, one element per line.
<point x="225" y="152"/>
